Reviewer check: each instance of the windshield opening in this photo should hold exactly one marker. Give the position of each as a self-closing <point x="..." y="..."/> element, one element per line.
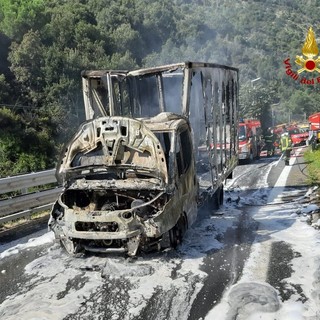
<point x="242" y="134"/>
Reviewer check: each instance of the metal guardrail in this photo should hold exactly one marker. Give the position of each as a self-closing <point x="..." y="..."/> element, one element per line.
<point x="29" y="180"/>
<point x="28" y="203"/>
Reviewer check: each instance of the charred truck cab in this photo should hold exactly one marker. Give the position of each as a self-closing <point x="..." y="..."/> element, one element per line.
<point x="157" y="142"/>
<point x="123" y="177"/>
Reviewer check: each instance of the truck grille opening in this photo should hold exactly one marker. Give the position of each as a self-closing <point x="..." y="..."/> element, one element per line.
<point x="97" y="226"/>
<point x="103" y="245"/>
<point x="102" y="200"/>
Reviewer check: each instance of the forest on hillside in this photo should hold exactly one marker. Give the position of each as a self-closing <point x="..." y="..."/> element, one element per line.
<point x="44" y="46"/>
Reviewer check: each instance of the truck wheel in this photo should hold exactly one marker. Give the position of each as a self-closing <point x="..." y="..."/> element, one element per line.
<point x="217" y="198"/>
<point x="177" y="232"/>
<point x="182" y="225"/>
<point x="221" y="196"/>
<point x="173" y="236"/>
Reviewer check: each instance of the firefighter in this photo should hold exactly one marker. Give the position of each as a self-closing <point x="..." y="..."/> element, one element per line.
<point x="269" y="140"/>
<point x="285" y="145"/>
<point x="312" y="139"/>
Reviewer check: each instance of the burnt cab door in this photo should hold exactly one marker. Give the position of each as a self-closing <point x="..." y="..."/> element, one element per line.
<point x="185" y="177"/>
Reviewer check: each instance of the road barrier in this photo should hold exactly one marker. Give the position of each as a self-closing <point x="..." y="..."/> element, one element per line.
<point x="27" y="203"/>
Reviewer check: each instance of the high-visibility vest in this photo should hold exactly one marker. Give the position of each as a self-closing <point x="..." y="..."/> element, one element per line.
<point x="285" y="141"/>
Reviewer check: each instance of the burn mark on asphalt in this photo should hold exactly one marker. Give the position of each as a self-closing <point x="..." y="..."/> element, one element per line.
<point x="280" y="269"/>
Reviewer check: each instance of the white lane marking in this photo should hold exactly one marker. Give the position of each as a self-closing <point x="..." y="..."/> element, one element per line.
<point x="281" y="182"/>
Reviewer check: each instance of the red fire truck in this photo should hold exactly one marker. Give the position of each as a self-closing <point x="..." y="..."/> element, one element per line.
<point x="298" y="135"/>
<point x="314" y="123"/>
<point x="250" y="141"/>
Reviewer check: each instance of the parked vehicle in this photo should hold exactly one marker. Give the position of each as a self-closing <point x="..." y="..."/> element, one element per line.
<point x="157" y="144"/>
<point x="298" y="135"/>
<point x="314" y="123"/>
<point x="250" y="140"/>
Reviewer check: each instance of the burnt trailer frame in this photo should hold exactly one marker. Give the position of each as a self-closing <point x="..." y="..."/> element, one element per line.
<point x="157" y="142"/>
<point x="205" y="93"/>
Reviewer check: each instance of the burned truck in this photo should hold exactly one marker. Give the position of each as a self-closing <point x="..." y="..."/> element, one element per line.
<point x="157" y="143"/>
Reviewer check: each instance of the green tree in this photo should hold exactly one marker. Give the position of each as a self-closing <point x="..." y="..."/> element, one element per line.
<point x="27" y="63"/>
<point x="19" y="16"/>
<point x="28" y="141"/>
<point x="52" y="41"/>
<point x="4" y="89"/>
<point x="256" y="101"/>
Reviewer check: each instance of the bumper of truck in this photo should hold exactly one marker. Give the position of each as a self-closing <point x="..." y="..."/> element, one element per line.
<point x="244" y="155"/>
<point x="128" y="235"/>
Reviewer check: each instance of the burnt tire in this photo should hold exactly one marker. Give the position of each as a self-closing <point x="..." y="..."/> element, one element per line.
<point x="218" y="198"/>
<point x="182" y="226"/>
<point x="221" y="196"/>
<point x="177" y="232"/>
<point x="173" y="236"/>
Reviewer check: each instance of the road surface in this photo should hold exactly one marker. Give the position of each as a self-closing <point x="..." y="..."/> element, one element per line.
<point x="40" y="281"/>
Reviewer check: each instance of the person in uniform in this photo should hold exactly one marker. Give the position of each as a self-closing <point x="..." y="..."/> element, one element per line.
<point x="312" y="139"/>
<point x="286" y="145"/>
<point x="269" y="139"/>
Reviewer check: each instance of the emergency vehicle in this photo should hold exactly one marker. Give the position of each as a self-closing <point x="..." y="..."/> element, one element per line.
<point x="314" y="123"/>
<point x="250" y="142"/>
<point x="298" y="135"/>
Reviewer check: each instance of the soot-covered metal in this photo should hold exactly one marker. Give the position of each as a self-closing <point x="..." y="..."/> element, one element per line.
<point x="156" y="142"/>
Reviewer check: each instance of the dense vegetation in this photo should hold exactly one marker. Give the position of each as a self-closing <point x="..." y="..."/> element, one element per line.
<point x="313" y="165"/>
<point x="45" y="45"/>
